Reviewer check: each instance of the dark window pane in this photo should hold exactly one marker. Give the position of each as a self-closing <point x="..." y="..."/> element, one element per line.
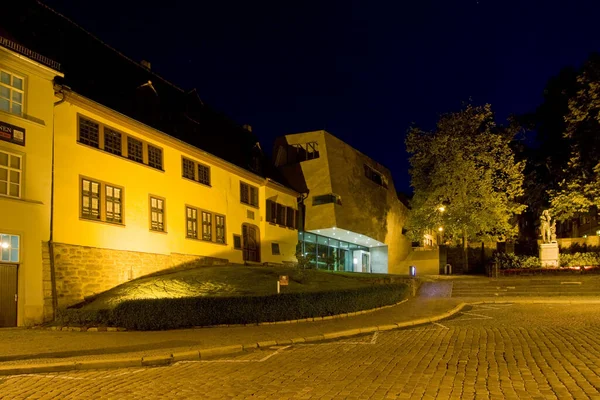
<point x="88" y="132"/>
<point x="290" y="217"/>
<point x="237" y="242"/>
<point x="204" y="174"/>
<point x="112" y="141"/>
<point x="220" y="228"/>
<point x="188" y="169"/>
<point x="206" y="226"/>
<point x="113" y="196"/>
<point x="275" y="248"/>
<point x="154" y="157"/>
<point x="244" y="193"/>
<point x="157" y="214"/>
<point x="135" y="150"/>
<point x="280" y="214"/>
<point x="192" y="222"/>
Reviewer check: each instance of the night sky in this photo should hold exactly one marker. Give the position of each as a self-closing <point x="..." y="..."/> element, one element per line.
<point x="362" y="70"/>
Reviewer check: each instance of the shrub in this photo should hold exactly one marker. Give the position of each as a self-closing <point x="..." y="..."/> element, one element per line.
<point x="579" y="259"/>
<point x="513" y="261"/>
<point x="157" y="314"/>
<point x="83" y="317"/>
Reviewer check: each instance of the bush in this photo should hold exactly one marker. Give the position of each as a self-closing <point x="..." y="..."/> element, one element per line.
<point x="157" y="314"/>
<point x="580" y="248"/>
<point x="513" y="261"/>
<point x="579" y="259"/>
<point x="83" y="317"/>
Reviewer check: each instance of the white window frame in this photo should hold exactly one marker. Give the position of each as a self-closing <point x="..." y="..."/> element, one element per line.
<point x="8" y="169"/>
<point x="12" y="89"/>
<point x="7" y="238"/>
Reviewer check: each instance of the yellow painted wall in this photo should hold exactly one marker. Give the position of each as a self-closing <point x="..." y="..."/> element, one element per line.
<point x="29" y="216"/>
<point x="74" y="159"/>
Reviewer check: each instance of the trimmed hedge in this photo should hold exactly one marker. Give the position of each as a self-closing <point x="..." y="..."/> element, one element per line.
<point x="159" y="314"/>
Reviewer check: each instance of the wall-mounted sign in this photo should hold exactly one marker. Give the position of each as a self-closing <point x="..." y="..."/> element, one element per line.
<point x="11" y="133"/>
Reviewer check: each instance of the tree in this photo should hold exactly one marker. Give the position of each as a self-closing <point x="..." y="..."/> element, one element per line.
<point x="467" y="166"/>
<point x="580" y="187"/>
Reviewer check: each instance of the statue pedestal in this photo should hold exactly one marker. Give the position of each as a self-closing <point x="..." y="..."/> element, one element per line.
<point x="549" y="254"/>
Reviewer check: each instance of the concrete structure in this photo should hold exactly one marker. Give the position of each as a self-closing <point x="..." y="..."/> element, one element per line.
<point x="26" y="129"/>
<point x="353" y="219"/>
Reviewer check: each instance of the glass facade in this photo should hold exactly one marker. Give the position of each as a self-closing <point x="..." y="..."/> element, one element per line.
<point x="327" y="253"/>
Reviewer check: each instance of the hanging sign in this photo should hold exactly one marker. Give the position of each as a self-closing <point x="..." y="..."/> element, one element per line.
<point x="11" y="133"/>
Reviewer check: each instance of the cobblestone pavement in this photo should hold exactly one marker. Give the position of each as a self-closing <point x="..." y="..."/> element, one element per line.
<point x="488" y="351"/>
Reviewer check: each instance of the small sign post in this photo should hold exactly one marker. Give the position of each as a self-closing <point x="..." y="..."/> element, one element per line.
<point x="284" y="280"/>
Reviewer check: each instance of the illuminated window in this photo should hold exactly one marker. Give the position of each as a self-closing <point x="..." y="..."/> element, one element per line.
<point x="192" y="222"/>
<point x="204" y="174"/>
<point x="11" y="166"/>
<point x="327" y="199"/>
<point x="206" y="226"/>
<point x="157" y="214"/>
<point x="375" y="176"/>
<point x="112" y="141"/>
<point x="9" y="248"/>
<point x="90" y="199"/>
<point x="113" y="204"/>
<point x="248" y="194"/>
<point x="220" y="228"/>
<point x="275" y="249"/>
<point x="154" y="157"/>
<point x="135" y="150"/>
<point x="12" y="93"/>
<point x="89" y="132"/>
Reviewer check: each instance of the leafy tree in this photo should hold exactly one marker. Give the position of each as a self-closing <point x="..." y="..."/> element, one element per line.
<point x="467" y="166"/>
<point x="580" y="187"/>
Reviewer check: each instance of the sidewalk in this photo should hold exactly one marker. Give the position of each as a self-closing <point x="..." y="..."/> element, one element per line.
<point x="30" y="346"/>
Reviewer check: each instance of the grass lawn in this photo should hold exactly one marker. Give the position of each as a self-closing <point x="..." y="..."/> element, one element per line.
<point x="228" y="281"/>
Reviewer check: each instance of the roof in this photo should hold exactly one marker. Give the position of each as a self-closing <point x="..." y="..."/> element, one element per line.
<point x="99" y="72"/>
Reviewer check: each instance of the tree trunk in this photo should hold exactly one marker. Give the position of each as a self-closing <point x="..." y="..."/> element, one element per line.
<point x="465" y="253"/>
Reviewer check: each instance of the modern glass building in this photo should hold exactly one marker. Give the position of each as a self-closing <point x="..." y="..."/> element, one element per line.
<point x="334" y="254"/>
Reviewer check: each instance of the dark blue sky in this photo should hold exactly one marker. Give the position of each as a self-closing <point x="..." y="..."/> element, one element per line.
<point x="363" y="70"/>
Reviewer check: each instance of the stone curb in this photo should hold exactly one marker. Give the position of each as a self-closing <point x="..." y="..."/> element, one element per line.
<point x="291" y="321"/>
<point x="203" y="354"/>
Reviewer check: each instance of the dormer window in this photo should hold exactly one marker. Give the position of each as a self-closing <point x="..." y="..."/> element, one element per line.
<point x="12" y="92"/>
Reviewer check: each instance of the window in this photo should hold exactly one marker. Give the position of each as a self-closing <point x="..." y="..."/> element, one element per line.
<point x="375" y="176"/>
<point x="248" y="194"/>
<point x="89" y="132"/>
<point x="94" y="193"/>
<point x="275" y="249"/>
<point x="192" y="222"/>
<point x="220" y="228"/>
<point x="206" y="226"/>
<point x="113" y="204"/>
<point x="327" y="199"/>
<point x="11" y="169"/>
<point x="90" y="199"/>
<point x="249" y="214"/>
<point x="237" y="242"/>
<point x="303" y="152"/>
<point x="290" y="220"/>
<point x="157" y="214"/>
<point x="112" y="141"/>
<point x="189" y="171"/>
<point x="271" y="211"/>
<point x="9" y="248"/>
<point x="135" y="150"/>
<point x="280" y="214"/>
<point x="154" y="157"/>
<point x="204" y="174"/>
<point x="12" y="93"/>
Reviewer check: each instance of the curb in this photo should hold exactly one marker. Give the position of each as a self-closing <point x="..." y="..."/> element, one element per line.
<point x="204" y="354"/>
<point x="290" y="321"/>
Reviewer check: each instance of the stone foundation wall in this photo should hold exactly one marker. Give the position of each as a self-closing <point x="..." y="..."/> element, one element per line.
<point x="84" y="271"/>
<point x="47" y="283"/>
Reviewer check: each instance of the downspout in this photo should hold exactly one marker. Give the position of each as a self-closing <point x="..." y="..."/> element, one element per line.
<point x="51" y="240"/>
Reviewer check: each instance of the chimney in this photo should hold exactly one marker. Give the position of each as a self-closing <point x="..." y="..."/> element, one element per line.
<point x="247" y="127"/>
<point x="146" y="64"/>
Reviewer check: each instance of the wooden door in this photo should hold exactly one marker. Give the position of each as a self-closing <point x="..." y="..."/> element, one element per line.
<point x="251" y="243"/>
<point x="8" y="295"/>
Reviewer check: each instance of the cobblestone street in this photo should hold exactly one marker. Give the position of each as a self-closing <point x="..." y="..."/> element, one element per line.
<point x="488" y="351"/>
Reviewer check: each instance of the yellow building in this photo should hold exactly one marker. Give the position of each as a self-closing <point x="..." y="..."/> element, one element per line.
<point x="26" y="128"/>
<point x="130" y="200"/>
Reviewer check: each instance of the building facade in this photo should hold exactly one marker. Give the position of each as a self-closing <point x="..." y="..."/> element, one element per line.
<point x="91" y="198"/>
<point x="26" y="128"/>
<point x="353" y="219"/>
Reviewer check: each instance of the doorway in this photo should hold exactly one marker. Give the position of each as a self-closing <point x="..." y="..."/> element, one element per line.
<point x="251" y="243"/>
<point x="8" y="295"/>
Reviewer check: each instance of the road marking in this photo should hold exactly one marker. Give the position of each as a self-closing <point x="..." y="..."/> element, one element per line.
<point x="371" y="342"/>
<point x="228" y="360"/>
<point x="477" y="315"/>
<point x="56" y="375"/>
<point x="440" y="325"/>
<point x="571" y="283"/>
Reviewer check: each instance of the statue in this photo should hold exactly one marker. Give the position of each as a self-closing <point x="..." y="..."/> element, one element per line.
<point x="546" y="227"/>
<point x="553" y="232"/>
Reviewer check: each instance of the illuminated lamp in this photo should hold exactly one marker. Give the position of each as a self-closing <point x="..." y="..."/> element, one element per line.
<point x="440" y="229"/>
<point x="355" y="261"/>
<point x="412" y="270"/>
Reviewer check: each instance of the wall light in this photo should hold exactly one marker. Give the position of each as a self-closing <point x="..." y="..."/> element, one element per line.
<point x="355" y="261"/>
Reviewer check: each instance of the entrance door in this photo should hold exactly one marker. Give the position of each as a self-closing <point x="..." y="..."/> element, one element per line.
<point x="8" y="295"/>
<point x="251" y="243"/>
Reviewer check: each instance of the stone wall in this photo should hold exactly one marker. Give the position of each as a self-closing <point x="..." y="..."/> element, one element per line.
<point x="84" y="271"/>
<point x="47" y="283"/>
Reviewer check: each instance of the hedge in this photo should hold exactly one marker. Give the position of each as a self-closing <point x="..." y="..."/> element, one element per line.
<point x="159" y="314"/>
